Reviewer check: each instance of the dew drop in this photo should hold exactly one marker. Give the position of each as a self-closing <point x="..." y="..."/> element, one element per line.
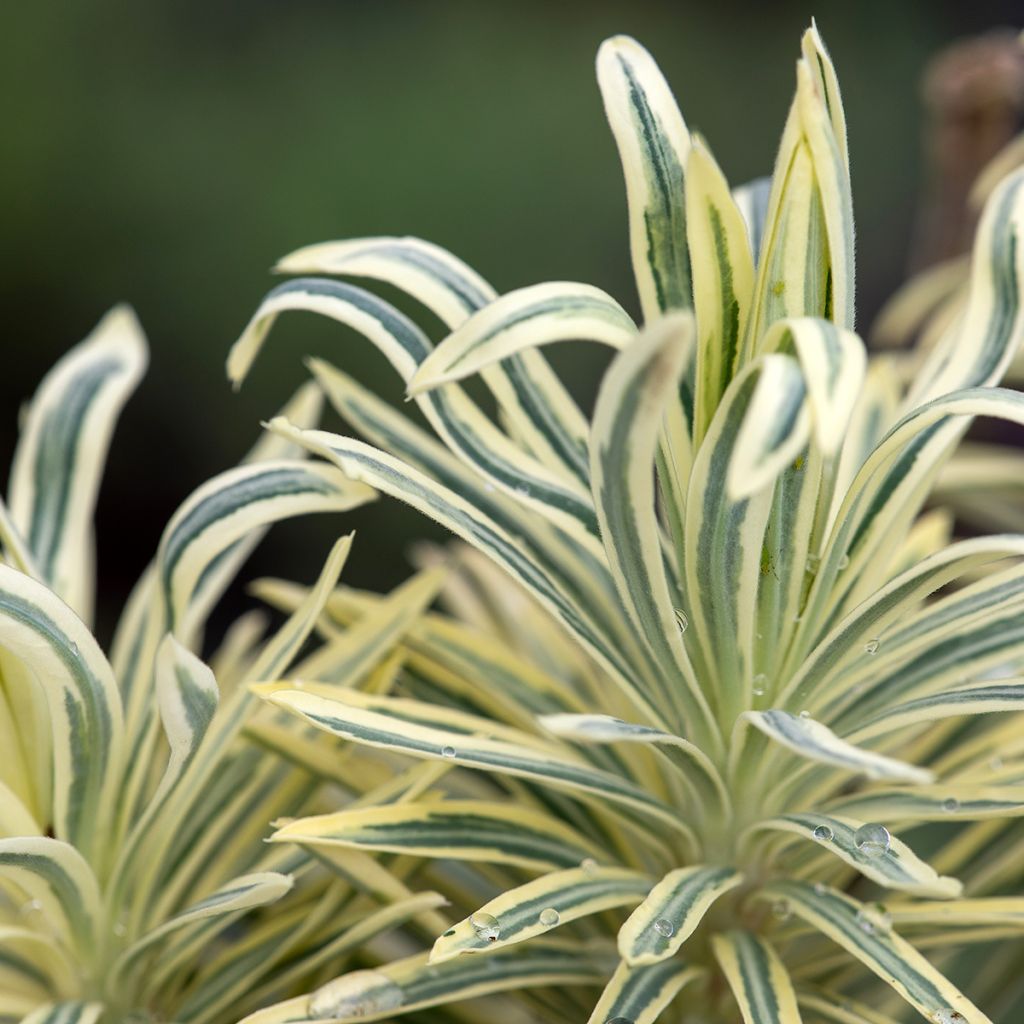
<point x="447" y="751"/>
<point x="872" y="645"/>
<point x="844" y="562"/>
<point x="358" y="994"/>
<point x="864" y="922"/>
<point x="588" y="866"/>
<point x="32" y="908"/>
<point x="820" y="888"/>
<point x="486" y="926"/>
<point x="74" y="650"/>
<point x="758" y="683"/>
<point x="664" y="927"/>
<point x="681" y="620"/>
<point x="805" y="715"/>
<point x="781" y="910"/>
<point x="951" y="805"/>
<point x="618" y="1020"/>
<point x="823" y="833"/>
<point x="947" y="1015"/>
<point x="549" y="917"/>
<point x="813" y="562"/>
<point x="872" y="839"/>
<point x="522" y="491"/>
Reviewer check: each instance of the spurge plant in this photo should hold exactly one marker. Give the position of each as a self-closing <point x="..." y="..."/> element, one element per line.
<point x="745" y="733"/>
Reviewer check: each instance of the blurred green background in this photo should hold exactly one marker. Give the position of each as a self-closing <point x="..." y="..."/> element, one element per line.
<point x="167" y="153"/>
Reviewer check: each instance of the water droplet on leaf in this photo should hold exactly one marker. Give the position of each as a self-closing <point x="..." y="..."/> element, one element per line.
<point x="664" y="927"/>
<point x="872" y="839"/>
<point x="872" y="645"/>
<point x="844" y="562"/>
<point x="549" y="917"/>
<point x="486" y="926"/>
<point x="823" y="833"/>
<point x="758" y="684"/>
<point x="813" y="562"/>
<point x="948" y="1016"/>
<point x="681" y="620"/>
<point x="805" y="715"/>
<point x="588" y="865"/>
<point x="951" y="805"/>
<point x="781" y="910"/>
<point x="447" y="751"/>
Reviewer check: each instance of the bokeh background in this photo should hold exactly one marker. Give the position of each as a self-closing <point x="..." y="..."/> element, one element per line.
<point x="166" y="153"/>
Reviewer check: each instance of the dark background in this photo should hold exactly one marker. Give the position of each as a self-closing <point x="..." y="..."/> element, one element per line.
<point x="167" y="153"/>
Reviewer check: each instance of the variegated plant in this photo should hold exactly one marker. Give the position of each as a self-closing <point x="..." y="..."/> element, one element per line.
<point x="133" y="876"/>
<point x="728" y="671"/>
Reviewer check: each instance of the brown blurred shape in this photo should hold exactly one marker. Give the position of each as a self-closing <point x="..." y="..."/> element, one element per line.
<point x="974" y="97"/>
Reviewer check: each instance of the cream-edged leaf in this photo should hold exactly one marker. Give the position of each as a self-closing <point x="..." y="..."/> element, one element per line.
<point x="342" y="716"/>
<point x="775" y="427"/>
<point x="55" y="647"/>
<point x="671" y="911"/>
<point x="494" y="833"/>
<point x="653" y="146"/>
<point x="539" y="906"/>
<point x="895" y="867"/>
<point x="757" y="977"/>
<point x="414" y="984"/>
<point x="60" y="456"/>
<point x="640" y="994"/>
<point x="59" y="879"/>
<point x="723" y="280"/>
<point x="816" y="742"/>
<point x="525" y="319"/>
<point x="893" y="959"/>
<point x="635" y="395"/>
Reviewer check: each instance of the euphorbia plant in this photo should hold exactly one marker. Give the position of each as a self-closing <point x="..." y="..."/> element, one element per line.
<point x="133" y="799"/>
<point x="771" y="676"/>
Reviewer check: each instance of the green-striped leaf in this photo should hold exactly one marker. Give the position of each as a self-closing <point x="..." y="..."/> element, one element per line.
<point x="459" y="829"/>
<point x="62" y="449"/>
<point x="237" y="896"/>
<point x="187" y="694"/>
<point x="525" y="319"/>
<point x="671" y="911"/>
<point x="757" y="977"/>
<point x="816" y="742"/>
<point x="640" y="994"/>
<point x="37" y="628"/>
<point x="894" y="960"/>
<point x="945" y="802"/>
<point x="343" y="717"/>
<point x="414" y="984"/>
<point x="653" y="145"/>
<point x="55" y="875"/>
<point x="895" y="867"/>
<point x="984" y="698"/>
<point x="533" y="399"/>
<point x="70" y="1012"/>
<point x="723" y="280"/>
<point x="538" y="906"/>
<point x="775" y="424"/>
<point x="630" y="406"/>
